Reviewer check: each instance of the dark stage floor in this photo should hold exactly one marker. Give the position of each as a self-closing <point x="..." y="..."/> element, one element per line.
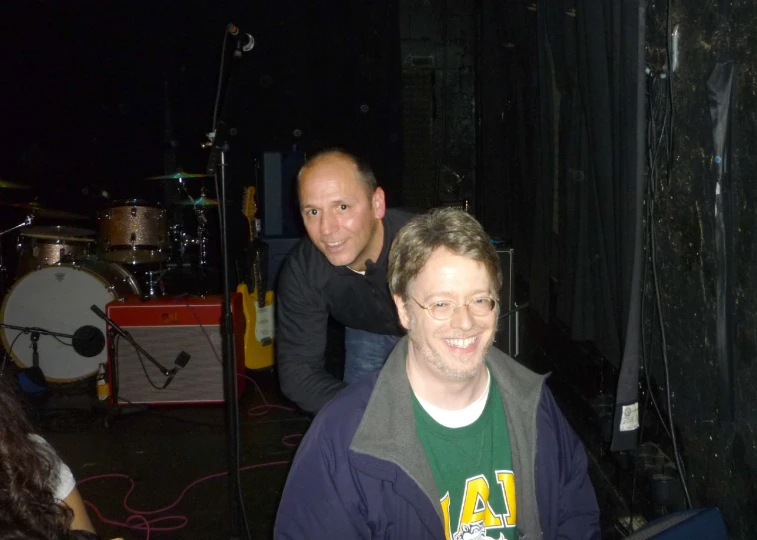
<point x="176" y="456"/>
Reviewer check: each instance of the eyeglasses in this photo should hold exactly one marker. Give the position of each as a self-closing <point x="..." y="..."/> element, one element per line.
<point x="443" y="310"/>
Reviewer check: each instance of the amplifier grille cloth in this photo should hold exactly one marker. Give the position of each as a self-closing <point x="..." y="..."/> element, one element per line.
<point x="200" y="380"/>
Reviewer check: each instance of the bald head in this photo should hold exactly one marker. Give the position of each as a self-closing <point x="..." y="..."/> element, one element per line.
<point x="336" y="157"/>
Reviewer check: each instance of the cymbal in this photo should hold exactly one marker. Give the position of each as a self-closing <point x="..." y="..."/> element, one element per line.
<point x="40" y="211"/>
<point x="177" y="176"/>
<point x="202" y="201"/>
<point x="5" y="184"/>
<point x="57" y="231"/>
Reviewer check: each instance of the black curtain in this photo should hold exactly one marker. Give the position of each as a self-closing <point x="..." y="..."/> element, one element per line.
<point x="587" y="232"/>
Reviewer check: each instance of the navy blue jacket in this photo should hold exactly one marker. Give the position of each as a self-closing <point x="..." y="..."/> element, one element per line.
<point x="361" y="471"/>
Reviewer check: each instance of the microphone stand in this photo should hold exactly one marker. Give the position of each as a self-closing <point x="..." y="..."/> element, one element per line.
<point x="220" y="147"/>
<point x="35" y="330"/>
<point x="34" y="373"/>
<point x="219" y="139"/>
<point x="127" y="336"/>
<point x="115" y="329"/>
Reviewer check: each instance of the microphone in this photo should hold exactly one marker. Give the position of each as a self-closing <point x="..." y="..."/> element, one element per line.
<point x="181" y="361"/>
<point x="244" y="41"/>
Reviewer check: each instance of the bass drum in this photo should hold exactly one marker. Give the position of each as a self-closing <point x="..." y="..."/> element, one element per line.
<point x="59" y="299"/>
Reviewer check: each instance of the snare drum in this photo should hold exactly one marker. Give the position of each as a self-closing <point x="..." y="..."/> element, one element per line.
<point x="134" y="232"/>
<point x="46" y="246"/>
<point x="59" y="299"/>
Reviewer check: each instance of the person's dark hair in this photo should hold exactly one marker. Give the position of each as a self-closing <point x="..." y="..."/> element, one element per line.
<point x="19" y="534"/>
<point x="365" y="173"/>
<point x="454" y="230"/>
<point x="27" y="503"/>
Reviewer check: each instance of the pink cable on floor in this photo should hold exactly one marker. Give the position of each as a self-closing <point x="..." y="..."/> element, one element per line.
<point x="150" y="525"/>
<point x="180" y="521"/>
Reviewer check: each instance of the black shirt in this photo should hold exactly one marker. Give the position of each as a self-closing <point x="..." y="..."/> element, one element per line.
<point x="310" y="289"/>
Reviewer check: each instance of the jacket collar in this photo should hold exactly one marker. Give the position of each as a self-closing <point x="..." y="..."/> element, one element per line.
<point x="387" y="430"/>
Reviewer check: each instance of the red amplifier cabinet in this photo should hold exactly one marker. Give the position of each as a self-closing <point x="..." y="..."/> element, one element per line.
<point x="164" y="327"/>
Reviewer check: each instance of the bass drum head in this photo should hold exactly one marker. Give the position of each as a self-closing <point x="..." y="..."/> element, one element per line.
<point x="59" y="299"/>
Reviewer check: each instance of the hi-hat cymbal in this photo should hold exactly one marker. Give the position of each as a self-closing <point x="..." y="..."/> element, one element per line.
<point x="40" y="211"/>
<point x="202" y="201"/>
<point x="177" y="176"/>
<point x="6" y="184"/>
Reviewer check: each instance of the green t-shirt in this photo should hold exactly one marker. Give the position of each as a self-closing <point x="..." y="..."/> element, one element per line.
<point x="473" y="470"/>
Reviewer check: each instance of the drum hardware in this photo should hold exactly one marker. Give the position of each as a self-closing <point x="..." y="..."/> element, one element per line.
<point x="178" y="244"/>
<point x="155" y="278"/>
<point x="177" y="176"/>
<point x="201" y="241"/>
<point x="199" y="207"/>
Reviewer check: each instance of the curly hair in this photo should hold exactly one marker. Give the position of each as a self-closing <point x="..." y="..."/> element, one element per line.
<point x="26" y="496"/>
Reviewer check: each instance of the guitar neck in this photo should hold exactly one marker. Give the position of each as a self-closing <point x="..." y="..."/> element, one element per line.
<point x="253" y="233"/>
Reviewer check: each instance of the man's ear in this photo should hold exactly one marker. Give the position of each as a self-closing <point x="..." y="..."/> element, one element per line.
<point x="378" y="201"/>
<point x="402" y="311"/>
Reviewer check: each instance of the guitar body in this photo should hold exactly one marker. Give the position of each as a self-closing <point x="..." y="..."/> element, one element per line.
<point x="258" y="304"/>
<point x="259" y="332"/>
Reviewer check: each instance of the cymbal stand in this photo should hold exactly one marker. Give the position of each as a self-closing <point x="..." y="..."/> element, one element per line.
<point x="27" y="221"/>
<point x="202" y="233"/>
<point x="202" y="222"/>
<point x="202" y="237"/>
<point x="4" y="271"/>
<point x="155" y="278"/>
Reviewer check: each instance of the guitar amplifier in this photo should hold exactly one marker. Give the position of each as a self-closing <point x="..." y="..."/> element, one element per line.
<point x="164" y="327"/>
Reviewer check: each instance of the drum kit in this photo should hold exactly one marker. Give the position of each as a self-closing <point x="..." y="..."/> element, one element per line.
<point x="62" y="271"/>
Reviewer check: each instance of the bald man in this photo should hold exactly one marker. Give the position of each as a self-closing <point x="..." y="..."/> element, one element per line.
<point x="338" y="269"/>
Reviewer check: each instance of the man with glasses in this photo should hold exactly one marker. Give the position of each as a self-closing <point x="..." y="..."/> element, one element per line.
<point x="452" y="438"/>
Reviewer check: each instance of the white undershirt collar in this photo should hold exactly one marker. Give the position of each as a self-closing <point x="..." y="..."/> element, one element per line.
<point x="462" y="417"/>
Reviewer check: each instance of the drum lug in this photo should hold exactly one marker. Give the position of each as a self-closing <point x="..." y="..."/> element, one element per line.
<point x="133" y="211"/>
<point x="133" y="238"/>
<point x="108" y="214"/>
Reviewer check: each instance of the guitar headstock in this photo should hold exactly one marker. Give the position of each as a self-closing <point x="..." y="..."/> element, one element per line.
<point x="249" y="207"/>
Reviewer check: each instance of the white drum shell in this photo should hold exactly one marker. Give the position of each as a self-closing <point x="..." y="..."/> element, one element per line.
<point x="59" y="299"/>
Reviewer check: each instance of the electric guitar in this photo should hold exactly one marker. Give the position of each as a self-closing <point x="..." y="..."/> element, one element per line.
<point x="258" y="304"/>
